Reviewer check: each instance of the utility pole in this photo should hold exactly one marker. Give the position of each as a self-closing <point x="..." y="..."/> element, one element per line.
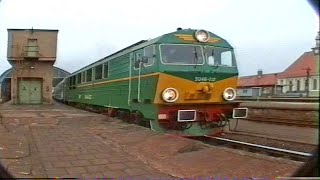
<point x="275" y="85"/>
<point x="307" y="81"/>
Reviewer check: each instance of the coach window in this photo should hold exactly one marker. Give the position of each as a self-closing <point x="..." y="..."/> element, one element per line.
<point x="83" y="77"/>
<point x="79" y="78"/>
<point x="69" y="82"/>
<point x="105" y="70"/>
<point x="150" y="53"/>
<point x="74" y="81"/>
<point x="98" y="72"/>
<point x="89" y="75"/>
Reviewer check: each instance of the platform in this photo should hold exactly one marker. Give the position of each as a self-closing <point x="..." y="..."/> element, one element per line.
<point x="61" y="141"/>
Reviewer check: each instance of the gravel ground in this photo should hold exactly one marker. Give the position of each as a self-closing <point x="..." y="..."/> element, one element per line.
<point x="295" y="146"/>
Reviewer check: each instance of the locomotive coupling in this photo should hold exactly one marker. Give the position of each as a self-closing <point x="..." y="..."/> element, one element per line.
<point x="205" y="87"/>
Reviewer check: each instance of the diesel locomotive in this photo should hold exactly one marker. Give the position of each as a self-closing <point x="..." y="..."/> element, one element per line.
<point x="182" y="82"/>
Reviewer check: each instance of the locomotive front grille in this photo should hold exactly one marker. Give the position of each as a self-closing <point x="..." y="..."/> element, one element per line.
<point x="187" y="115"/>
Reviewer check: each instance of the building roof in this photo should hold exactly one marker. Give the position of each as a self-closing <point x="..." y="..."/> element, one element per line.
<point x="39" y="30"/>
<point x="258" y="81"/>
<point x="57" y="73"/>
<point x="299" y="67"/>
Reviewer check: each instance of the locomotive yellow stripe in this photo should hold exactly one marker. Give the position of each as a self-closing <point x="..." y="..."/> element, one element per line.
<point x="117" y="80"/>
<point x="185" y="37"/>
<point x="186" y="86"/>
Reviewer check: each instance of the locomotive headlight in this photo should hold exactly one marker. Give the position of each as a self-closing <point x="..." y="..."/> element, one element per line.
<point x="202" y="35"/>
<point x="229" y="94"/>
<point x="170" y="95"/>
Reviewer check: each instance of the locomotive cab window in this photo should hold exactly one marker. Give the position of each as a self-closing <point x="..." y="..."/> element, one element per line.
<point x="181" y="54"/>
<point x="219" y="56"/>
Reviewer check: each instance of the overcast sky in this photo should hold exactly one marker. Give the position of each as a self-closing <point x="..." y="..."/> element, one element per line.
<point x="266" y="34"/>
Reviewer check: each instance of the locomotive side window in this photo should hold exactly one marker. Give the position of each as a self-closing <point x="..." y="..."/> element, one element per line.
<point x="105" y="70"/>
<point x="89" y="75"/>
<point x="149" y="52"/>
<point x="98" y="72"/>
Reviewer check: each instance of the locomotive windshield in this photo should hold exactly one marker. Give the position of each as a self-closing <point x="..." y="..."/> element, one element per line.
<point x="219" y="56"/>
<point x="182" y="54"/>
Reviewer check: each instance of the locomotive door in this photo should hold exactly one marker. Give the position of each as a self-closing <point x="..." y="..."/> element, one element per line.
<point x="135" y="72"/>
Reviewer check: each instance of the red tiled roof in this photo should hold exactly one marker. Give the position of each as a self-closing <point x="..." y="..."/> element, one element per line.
<point x="298" y="68"/>
<point x="255" y="81"/>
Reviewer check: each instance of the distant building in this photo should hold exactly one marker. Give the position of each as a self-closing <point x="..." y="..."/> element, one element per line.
<point x="258" y="85"/>
<point x="301" y="78"/>
<point x="5" y="81"/>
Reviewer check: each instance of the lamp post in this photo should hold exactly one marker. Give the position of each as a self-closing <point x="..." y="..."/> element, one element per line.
<point x="308" y="69"/>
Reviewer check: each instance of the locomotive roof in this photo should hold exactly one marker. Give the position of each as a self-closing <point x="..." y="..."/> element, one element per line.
<point x="184" y="36"/>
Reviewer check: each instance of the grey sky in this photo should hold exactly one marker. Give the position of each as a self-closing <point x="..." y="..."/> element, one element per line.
<point x="266" y="34"/>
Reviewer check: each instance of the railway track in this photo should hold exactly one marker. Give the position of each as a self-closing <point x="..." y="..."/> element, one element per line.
<point x="251" y="147"/>
<point x="279" y="99"/>
<point x="289" y="122"/>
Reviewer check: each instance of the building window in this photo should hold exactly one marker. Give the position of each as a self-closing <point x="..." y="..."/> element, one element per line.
<point x="298" y="85"/>
<point x="290" y="86"/>
<point x="89" y="75"/>
<point x="315" y="84"/>
<point x="105" y="70"/>
<point x="281" y="82"/>
<point x="98" y="72"/>
<point x="245" y="91"/>
<point x="32" y="48"/>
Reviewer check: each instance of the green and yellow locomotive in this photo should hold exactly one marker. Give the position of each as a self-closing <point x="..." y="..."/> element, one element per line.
<point x="182" y="82"/>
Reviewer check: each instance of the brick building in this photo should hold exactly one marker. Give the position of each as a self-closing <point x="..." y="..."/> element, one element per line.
<point x="32" y="53"/>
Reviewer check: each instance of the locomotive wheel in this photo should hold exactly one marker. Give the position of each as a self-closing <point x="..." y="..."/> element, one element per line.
<point x="111" y="112"/>
<point x="136" y="118"/>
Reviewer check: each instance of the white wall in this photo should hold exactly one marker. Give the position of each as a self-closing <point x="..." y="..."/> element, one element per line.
<point x="285" y="83"/>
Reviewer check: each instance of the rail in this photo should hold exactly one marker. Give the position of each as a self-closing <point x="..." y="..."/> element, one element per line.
<point x="297" y="155"/>
<point x="279" y="99"/>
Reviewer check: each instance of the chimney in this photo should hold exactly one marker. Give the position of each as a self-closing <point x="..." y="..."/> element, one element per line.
<point x="259" y="73"/>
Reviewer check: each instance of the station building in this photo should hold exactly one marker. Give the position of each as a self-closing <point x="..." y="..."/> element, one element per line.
<point x="32" y="53"/>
